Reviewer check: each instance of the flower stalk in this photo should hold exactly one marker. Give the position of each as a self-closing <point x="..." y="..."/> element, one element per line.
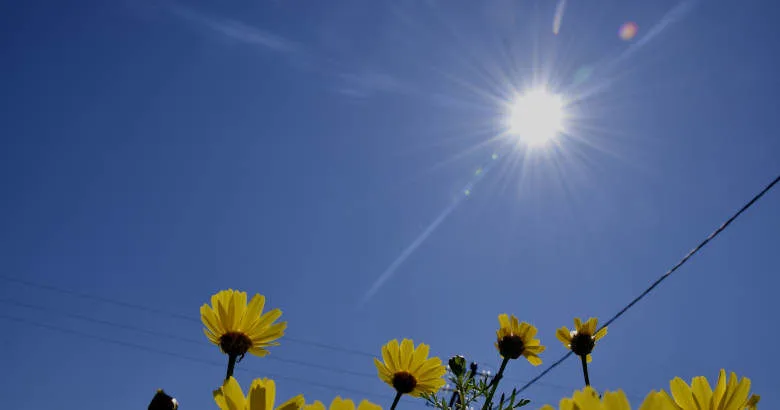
<point x="231" y="365"/>
<point x="395" y="400"/>
<point x="585" y="369"/>
<point x="494" y="384"/>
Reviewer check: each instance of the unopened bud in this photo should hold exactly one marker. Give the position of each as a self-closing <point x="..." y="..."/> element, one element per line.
<point x="457" y="365"/>
<point x="162" y="401"/>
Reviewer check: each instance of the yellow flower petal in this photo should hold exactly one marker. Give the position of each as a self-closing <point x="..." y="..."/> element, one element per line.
<point x="533" y="359"/>
<point x="720" y="389"/>
<point x="564" y="335"/>
<point x="233" y="395"/>
<point x="616" y="401"/>
<point x="367" y="405"/>
<point x="294" y="403"/>
<point x="739" y="395"/>
<point x="419" y="357"/>
<point x="591" y="325"/>
<point x="702" y="392"/>
<point x="578" y="325"/>
<point x="682" y="394"/>
<point x="658" y="401"/>
<point x="601" y="333"/>
<point x="262" y="394"/>
<point x="389" y="355"/>
<point x="503" y="321"/>
<point x="317" y="405"/>
<point x="407" y="354"/>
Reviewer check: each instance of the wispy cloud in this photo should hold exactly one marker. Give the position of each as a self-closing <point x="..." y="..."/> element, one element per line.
<point x="362" y="84"/>
<point x="354" y="83"/>
<point x="238" y="31"/>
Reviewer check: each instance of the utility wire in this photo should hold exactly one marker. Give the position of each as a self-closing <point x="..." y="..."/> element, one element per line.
<point x="175" y="337"/>
<point x="658" y="281"/>
<point x="185" y="357"/>
<point x="367" y="354"/>
<point x="156" y="311"/>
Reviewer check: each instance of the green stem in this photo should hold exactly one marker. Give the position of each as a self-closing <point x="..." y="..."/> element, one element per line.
<point x="585" y="369"/>
<point x="395" y="400"/>
<point x="231" y="365"/>
<point x="494" y="384"/>
<point x="461" y="393"/>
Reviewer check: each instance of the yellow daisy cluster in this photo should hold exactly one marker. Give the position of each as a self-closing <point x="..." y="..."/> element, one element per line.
<point x="239" y="326"/>
<point x="729" y="394"/>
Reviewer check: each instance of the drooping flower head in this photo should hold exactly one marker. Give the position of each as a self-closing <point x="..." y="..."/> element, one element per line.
<point x="583" y="338"/>
<point x="262" y="395"/>
<point x="588" y="399"/>
<point x="238" y="328"/>
<point x="343" y="404"/>
<point x="516" y="339"/>
<point x="731" y="394"/>
<point x="408" y="369"/>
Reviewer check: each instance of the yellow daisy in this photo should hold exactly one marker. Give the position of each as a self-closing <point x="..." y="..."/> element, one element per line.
<point x="516" y="339"/>
<point x="343" y="404"/>
<point x="238" y="328"/>
<point x="731" y="394"/>
<point x="588" y="399"/>
<point x="408" y="369"/>
<point x="583" y="338"/>
<point x="261" y="396"/>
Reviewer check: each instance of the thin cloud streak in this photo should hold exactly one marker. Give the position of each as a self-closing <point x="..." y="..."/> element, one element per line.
<point x="237" y="30"/>
<point x="354" y="84"/>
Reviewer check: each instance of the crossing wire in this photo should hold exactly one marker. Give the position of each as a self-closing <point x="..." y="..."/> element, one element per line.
<point x="663" y="277"/>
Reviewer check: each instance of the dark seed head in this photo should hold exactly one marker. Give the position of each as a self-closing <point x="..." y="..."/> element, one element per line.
<point x="404" y="382"/>
<point x="235" y="343"/>
<point x="511" y="346"/>
<point x="582" y="344"/>
<point x="162" y="401"/>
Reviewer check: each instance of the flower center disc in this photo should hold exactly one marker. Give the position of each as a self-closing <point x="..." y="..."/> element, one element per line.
<point x="235" y="343"/>
<point x="582" y="344"/>
<point x="404" y="382"/>
<point x="511" y="346"/>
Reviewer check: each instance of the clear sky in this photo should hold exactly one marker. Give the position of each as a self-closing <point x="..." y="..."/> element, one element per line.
<point x="154" y="152"/>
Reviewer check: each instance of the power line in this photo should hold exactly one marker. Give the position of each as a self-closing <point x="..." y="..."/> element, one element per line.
<point x="658" y="281"/>
<point x="367" y="354"/>
<point x="184" y="357"/>
<point x="156" y="311"/>
<point x="176" y="337"/>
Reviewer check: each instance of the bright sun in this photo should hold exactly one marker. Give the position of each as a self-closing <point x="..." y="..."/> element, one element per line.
<point x="536" y="117"/>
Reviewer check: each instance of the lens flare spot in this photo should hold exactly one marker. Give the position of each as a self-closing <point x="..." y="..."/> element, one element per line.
<point x="628" y="31"/>
<point x="582" y="74"/>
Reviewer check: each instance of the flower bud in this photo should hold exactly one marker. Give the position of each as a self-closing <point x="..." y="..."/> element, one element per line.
<point x="162" y="401"/>
<point x="457" y="365"/>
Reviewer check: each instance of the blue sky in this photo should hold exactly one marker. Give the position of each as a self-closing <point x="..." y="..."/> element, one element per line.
<point x="154" y="152"/>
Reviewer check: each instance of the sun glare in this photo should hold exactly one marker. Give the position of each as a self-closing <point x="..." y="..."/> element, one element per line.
<point x="536" y="117"/>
